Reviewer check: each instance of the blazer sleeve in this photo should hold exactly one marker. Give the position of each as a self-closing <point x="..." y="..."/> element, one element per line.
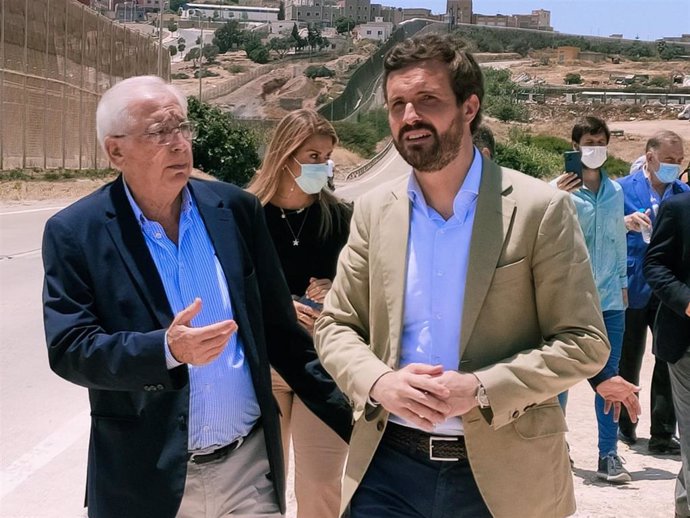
<point x="664" y="247"/>
<point x="341" y="333"/>
<point x="290" y="348"/>
<point x="80" y="347"/>
<point x="574" y="345"/>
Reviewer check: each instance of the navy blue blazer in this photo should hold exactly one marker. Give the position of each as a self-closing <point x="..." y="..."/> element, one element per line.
<point x="636" y="196"/>
<point x="667" y="267"/>
<point x="105" y="316"/>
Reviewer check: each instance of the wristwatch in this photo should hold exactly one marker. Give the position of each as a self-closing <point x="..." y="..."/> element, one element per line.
<point x="482" y="397"/>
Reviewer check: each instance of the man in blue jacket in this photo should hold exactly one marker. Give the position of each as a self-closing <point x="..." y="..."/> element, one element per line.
<point x="644" y="190"/>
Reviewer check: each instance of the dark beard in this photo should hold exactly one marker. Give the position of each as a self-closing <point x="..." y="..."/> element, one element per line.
<point x="444" y="149"/>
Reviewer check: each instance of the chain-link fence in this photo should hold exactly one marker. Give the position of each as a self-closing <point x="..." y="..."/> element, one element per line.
<point x="56" y="59"/>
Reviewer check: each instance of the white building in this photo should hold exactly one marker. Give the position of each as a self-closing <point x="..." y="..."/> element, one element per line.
<point x="230" y="12"/>
<point x="376" y="30"/>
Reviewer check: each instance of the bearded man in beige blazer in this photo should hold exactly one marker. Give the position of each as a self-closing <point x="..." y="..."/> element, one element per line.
<point x="462" y="305"/>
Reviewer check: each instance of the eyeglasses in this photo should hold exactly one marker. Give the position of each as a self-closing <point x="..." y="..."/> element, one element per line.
<point x="163" y="136"/>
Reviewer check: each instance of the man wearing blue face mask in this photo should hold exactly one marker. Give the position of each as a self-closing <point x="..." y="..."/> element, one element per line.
<point x="644" y="190"/>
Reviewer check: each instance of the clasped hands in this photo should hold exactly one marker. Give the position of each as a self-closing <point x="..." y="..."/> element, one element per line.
<point x="197" y="345"/>
<point x="426" y="395"/>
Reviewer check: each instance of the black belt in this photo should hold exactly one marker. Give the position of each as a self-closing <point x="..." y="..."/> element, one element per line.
<point x="223" y="451"/>
<point x="436" y="447"/>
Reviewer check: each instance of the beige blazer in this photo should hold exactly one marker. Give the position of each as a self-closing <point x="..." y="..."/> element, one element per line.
<point x="531" y="328"/>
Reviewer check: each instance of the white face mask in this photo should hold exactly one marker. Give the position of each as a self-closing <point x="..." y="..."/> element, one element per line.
<point x="593" y="157"/>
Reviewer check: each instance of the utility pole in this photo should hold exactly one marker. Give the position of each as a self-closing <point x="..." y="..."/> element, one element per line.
<point x="160" y="38"/>
<point x="201" y="55"/>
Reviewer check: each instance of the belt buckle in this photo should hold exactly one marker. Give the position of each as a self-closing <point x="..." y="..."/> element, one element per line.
<point x="432" y="439"/>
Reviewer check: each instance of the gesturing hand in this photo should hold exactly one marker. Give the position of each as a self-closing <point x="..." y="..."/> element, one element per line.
<point x="414" y="393"/>
<point x="617" y="391"/>
<point x="197" y="345"/>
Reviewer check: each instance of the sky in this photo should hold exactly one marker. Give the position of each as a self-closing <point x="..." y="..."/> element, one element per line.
<point x="646" y="19"/>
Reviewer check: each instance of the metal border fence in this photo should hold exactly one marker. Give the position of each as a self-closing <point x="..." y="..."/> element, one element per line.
<point x="56" y="59"/>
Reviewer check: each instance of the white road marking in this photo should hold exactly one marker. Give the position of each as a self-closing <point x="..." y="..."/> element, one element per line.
<point x="43" y="453"/>
<point x="30" y="210"/>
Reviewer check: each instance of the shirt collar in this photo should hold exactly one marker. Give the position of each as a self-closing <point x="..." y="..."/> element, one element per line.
<point x="187" y="204"/>
<point x="469" y="190"/>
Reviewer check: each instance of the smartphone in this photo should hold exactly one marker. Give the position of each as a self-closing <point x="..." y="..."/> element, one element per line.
<point x="573" y="162"/>
<point x="309" y="302"/>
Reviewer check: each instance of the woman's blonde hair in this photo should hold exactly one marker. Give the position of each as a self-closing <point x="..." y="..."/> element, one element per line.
<point x="289" y="135"/>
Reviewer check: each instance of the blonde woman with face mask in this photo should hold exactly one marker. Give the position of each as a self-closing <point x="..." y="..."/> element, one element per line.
<point x="309" y="226"/>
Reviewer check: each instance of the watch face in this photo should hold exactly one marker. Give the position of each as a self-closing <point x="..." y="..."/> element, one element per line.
<point x="482" y="398"/>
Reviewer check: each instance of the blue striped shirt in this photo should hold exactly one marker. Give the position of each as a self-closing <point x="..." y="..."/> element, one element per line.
<point x="222" y="403"/>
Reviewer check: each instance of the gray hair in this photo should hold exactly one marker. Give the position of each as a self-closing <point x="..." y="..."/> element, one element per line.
<point x="113" y="116"/>
<point x="663" y="137"/>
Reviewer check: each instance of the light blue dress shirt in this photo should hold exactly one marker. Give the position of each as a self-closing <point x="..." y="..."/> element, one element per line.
<point x="222" y="402"/>
<point x="601" y="219"/>
<point x="437" y="257"/>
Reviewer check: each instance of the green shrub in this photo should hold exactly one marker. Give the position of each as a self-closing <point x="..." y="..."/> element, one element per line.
<point x="528" y="159"/>
<point x="235" y="68"/>
<point x="221" y="147"/>
<point x="259" y="54"/>
<point x="315" y="71"/>
<point x="572" y="79"/>
<point x="205" y="73"/>
<point x="179" y="75"/>
<point x="357" y="138"/>
<point x="548" y="143"/>
<point x="505" y="109"/>
<point x="616" y="167"/>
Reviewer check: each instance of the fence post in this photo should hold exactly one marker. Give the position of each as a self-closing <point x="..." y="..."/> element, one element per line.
<point x="81" y="88"/>
<point x="2" y="81"/>
<point x="26" y="71"/>
<point x="45" y="88"/>
<point x="63" y="115"/>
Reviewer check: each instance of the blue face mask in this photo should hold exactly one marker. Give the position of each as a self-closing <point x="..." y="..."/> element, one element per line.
<point x="668" y="173"/>
<point x="313" y="177"/>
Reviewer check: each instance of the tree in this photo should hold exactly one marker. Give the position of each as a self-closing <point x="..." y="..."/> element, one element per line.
<point x="281" y="10"/>
<point x="251" y="41"/>
<point x="314" y="38"/>
<point x="282" y="45"/>
<point x="175" y="5"/>
<point x="572" y="79"/>
<point x="344" y="24"/>
<point x="259" y="54"/>
<point x="172" y="49"/>
<point x="300" y="42"/>
<point x="172" y="26"/>
<point x="228" y="36"/>
<point x="210" y="52"/>
<point x="221" y="147"/>
<point x="181" y="44"/>
<point x="193" y="55"/>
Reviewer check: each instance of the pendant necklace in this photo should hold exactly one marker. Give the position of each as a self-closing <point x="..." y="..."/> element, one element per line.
<point x="295" y="237"/>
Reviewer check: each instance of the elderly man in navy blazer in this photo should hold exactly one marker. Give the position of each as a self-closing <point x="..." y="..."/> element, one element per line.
<point x="164" y="297"/>
<point x="667" y="268"/>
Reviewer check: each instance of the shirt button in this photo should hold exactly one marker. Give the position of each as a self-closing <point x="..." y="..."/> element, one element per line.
<point x="438" y="316"/>
<point x="158" y="235"/>
<point x="206" y="428"/>
<point x="439" y="274"/>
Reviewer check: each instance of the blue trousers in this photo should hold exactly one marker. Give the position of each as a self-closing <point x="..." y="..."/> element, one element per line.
<point x="402" y="484"/>
<point x="608" y="430"/>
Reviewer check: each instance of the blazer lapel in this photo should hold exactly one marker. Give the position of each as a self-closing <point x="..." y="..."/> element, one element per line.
<point x="394" y="234"/>
<point x="492" y="221"/>
<point x="222" y="229"/>
<point x="125" y="231"/>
